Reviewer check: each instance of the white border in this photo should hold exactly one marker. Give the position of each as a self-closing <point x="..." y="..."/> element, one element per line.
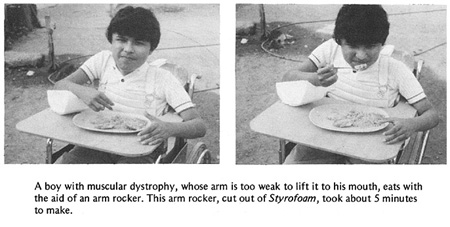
<point x="17" y="181"/>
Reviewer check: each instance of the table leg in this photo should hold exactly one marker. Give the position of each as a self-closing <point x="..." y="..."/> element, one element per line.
<point x="282" y="152"/>
<point x="49" y="151"/>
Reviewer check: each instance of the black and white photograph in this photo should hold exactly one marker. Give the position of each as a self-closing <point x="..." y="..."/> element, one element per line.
<point x="341" y="84"/>
<point x="225" y="113"/>
<point x="111" y="83"/>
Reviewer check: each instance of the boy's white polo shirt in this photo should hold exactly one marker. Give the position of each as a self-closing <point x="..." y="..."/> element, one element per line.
<point x="147" y="89"/>
<point x="379" y="85"/>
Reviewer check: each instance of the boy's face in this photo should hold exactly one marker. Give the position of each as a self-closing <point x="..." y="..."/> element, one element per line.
<point x="129" y="53"/>
<point x="360" y="54"/>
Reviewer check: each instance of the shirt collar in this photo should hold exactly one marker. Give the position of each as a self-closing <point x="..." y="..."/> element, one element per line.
<point x="142" y="68"/>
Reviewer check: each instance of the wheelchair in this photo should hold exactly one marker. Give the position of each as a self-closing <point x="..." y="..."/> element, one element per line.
<point x="177" y="148"/>
<point x="413" y="150"/>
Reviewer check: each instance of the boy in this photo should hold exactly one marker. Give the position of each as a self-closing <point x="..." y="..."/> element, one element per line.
<point x="128" y="83"/>
<point x="375" y="79"/>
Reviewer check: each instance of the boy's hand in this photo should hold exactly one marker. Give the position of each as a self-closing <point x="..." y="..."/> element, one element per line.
<point x="327" y="75"/>
<point x="96" y="100"/>
<point x="402" y="129"/>
<point x="156" y="133"/>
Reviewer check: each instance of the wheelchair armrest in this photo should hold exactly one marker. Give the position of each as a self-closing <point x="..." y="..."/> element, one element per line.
<point x="191" y="87"/>
<point x="414" y="151"/>
<point x="418" y="68"/>
<point x="424" y="146"/>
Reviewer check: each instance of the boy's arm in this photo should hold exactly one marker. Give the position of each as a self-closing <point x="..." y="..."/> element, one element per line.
<point x="191" y="127"/>
<point x="427" y="118"/>
<point x="94" y="99"/>
<point x="306" y="71"/>
<point x="323" y="76"/>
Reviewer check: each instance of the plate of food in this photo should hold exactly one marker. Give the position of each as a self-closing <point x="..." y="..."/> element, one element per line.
<point x="110" y="121"/>
<point x="348" y="118"/>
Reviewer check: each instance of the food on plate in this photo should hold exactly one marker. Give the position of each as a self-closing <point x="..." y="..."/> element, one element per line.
<point x="354" y="118"/>
<point x="134" y="123"/>
<point x="343" y="123"/>
<point x="118" y="122"/>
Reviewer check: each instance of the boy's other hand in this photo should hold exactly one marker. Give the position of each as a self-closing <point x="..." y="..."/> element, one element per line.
<point x="327" y="75"/>
<point x="96" y="100"/>
<point x="401" y="130"/>
<point x="156" y="133"/>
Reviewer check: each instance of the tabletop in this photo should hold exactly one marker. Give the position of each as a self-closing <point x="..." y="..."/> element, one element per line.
<point x="292" y="124"/>
<point x="49" y="124"/>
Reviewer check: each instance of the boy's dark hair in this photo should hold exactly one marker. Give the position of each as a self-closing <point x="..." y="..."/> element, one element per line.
<point x="361" y="25"/>
<point x="139" y="23"/>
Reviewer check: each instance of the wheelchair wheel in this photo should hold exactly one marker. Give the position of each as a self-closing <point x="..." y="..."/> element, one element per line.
<point x="199" y="155"/>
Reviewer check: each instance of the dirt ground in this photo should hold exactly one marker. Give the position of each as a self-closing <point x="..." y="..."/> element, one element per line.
<point x="80" y="32"/>
<point x="257" y="71"/>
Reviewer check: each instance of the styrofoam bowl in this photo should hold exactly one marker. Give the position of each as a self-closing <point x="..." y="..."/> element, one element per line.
<point x="297" y="93"/>
<point x="64" y="102"/>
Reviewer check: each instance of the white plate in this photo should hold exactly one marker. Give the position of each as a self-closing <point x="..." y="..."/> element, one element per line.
<point x="320" y="116"/>
<point x="85" y="118"/>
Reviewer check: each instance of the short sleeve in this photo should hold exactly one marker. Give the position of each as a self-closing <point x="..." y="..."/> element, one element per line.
<point x="322" y="54"/>
<point x="408" y="85"/>
<point x="173" y="91"/>
<point x="94" y="66"/>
